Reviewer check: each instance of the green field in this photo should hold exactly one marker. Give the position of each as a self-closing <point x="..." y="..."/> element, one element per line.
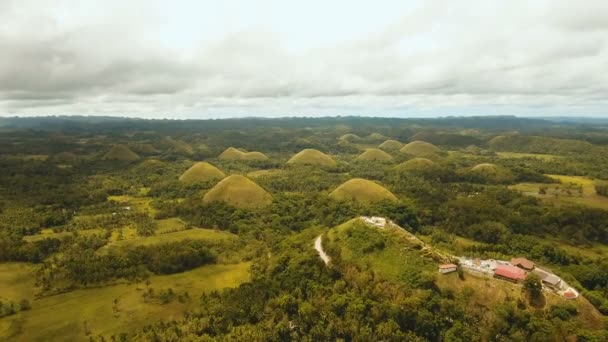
<point x="517" y="155"/>
<point x="62" y="317"/>
<point x="189" y="234"/>
<point x="566" y="192"/>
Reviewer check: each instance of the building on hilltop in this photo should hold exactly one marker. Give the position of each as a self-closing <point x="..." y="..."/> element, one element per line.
<point x="548" y="279"/>
<point x="523" y="263"/>
<point x="447" y="268"/>
<point x="510" y="273"/>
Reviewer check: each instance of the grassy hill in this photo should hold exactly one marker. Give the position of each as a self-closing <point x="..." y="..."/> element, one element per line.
<point x="201" y="172"/>
<point x="376" y="136"/>
<point x="232" y="153"/>
<point x="121" y="153"/>
<point x="374" y="154"/>
<point x="415" y="164"/>
<point x="361" y="190"/>
<point x="491" y="172"/>
<point x="238" y="191"/>
<point x="350" y="137"/>
<point x="419" y="148"/>
<point x="312" y="157"/>
<point x="390" y="145"/>
<point x="387" y="251"/>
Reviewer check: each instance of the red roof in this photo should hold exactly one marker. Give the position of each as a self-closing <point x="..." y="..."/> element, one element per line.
<point x="511" y="272"/>
<point x="569" y="295"/>
<point x="523" y="262"/>
<point x="448" y="266"/>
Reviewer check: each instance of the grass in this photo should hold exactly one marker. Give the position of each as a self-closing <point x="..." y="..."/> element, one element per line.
<point x="566" y="192"/>
<point x="374" y="154"/>
<point x="238" y="191"/>
<point x="312" y="157"/>
<point x="201" y="172"/>
<point x="260" y="173"/>
<point x="361" y="190"/>
<point x="16" y="281"/>
<point x="391" y="145"/>
<point x="169" y="225"/>
<point x="415" y="164"/>
<point x="517" y="155"/>
<point x="49" y="233"/>
<point x="140" y="204"/>
<point x="189" y="234"/>
<point x="62" y="317"/>
<point x="419" y="148"/>
<point x="122" y="153"/>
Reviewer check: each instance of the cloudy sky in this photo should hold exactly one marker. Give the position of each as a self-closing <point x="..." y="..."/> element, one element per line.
<point x="200" y="59"/>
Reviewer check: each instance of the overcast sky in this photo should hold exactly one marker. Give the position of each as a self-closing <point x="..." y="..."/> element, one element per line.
<point x="201" y="59"/>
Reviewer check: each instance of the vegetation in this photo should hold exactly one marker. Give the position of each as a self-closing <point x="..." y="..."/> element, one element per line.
<point x="136" y="249"/>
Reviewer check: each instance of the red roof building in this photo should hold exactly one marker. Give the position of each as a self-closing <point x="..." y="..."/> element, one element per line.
<point x="523" y="263"/>
<point x="447" y="268"/>
<point x="509" y="272"/>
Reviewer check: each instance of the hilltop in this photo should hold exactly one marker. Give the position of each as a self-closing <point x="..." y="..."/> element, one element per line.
<point x="201" y="172"/>
<point x="391" y="145"/>
<point x="415" y="164"/>
<point x="362" y="190"/>
<point x="238" y="191"/>
<point x="491" y="172"/>
<point x="122" y="153"/>
<point x="312" y="157"/>
<point x="374" y="154"/>
<point x="232" y="153"/>
<point x="419" y="148"/>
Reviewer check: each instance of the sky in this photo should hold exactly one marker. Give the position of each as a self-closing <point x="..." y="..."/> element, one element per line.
<point x="188" y="59"/>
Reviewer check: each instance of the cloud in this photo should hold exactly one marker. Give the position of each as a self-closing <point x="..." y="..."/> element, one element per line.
<point x="439" y="58"/>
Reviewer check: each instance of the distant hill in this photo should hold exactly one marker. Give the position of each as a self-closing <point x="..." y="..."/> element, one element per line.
<point x="201" y="172"/>
<point x="232" y="153"/>
<point x="491" y="172"/>
<point x="312" y="157"/>
<point x="390" y="145"/>
<point x="350" y="137"/>
<point x="415" y="164"/>
<point x="238" y="191"/>
<point x="420" y="148"/>
<point x="362" y="190"/>
<point x="536" y="144"/>
<point x="122" y="153"/>
<point x="374" y="154"/>
<point x="445" y="138"/>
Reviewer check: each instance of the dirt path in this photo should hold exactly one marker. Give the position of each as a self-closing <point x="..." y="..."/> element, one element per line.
<point x="319" y="249"/>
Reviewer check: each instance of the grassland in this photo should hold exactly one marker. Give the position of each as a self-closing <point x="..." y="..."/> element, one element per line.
<point x="419" y="148"/>
<point x="569" y="191"/>
<point x="312" y="157"/>
<point x="232" y="153"/>
<point x="189" y="234"/>
<point x="118" y="308"/>
<point x="49" y="233"/>
<point x="121" y="153"/>
<point x="201" y="172"/>
<point x="517" y="155"/>
<point x="361" y="190"/>
<point x="140" y="204"/>
<point x="374" y="154"/>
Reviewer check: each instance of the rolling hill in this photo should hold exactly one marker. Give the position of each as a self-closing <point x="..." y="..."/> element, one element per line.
<point x="312" y="157"/>
<point x="390" y="145"/>
<point x="419" y="148"/>
<point x="232" y="153"/>
<point x="121" y="153"/>
<point x="201" y="172"/>
<point x="374" y="154"/>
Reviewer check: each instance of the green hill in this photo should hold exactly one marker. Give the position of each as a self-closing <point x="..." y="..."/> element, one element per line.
<point x="232" y="153"/>
<point x="390" y="145"/>
<point x="238" y="191"/>
<point x="121" y="153"/>
<point x="376" y="136"/>
<point x="491" y="172"/>
<point x="361" y="190"/>
<point x="374" y="154"/>
<point x="419" y="148"/>
<point x="312" y="157"/>
<point x="201" y="172"/>
<point x="415" y="164"/>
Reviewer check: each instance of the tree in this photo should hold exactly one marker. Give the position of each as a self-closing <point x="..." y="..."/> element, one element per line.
<point x="533" y="287"/>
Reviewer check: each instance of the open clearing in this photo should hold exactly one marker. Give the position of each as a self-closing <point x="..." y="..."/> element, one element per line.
<point x="517" y="155"/>
<point x="566" y="192"/>
<point x="62" y="317"/>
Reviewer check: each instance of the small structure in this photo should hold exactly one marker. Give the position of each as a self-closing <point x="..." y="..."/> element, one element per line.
<point x="548" y="279"/>
<point x="510" y="273"/>
<point x="447" y="268"/>
<point x="570" y="295"/>
<point x="377" y="221"/>
<point x="523" y="263"/>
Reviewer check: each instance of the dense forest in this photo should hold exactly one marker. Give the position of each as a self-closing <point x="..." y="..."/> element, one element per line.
<point x="117" y="229"/>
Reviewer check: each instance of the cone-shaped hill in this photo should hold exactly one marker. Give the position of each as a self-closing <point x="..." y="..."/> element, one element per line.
<point x="390" y="145"/>
<point x="122" y="153"/>
<point x="201" y="172"/>
<point x="238" y="191"/>
<point x="419" y="148"/>
<point x="376" y="136"/>
<point x="350" y="137"/>
<point x="232" y="153"/>
<point x="312" y="157"/>
<point x="374" y="154"/>
<point x="361" y="190"/>
<point x="415" y="164"/>
<point x="491" y="172"/>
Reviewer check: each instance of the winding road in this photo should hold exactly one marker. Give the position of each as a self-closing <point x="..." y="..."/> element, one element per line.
<point x="319" y="248"/>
